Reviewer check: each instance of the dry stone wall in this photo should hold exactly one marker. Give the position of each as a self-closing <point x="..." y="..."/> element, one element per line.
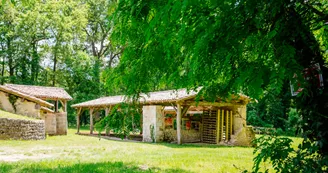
<point x="22" y="129"/>
<point x="186" y="135"/>
<point x="61" y="123"/>
<point x="50" y="122"/>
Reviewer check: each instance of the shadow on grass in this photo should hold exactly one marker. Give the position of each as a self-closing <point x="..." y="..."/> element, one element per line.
<point x="166" y="144"/>
<point x="81" y="168"/>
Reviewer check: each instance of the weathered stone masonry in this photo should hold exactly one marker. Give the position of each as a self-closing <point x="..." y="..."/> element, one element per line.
<point x="22" y="129"/>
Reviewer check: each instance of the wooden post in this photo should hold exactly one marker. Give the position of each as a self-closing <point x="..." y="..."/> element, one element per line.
<point x="222" y="121"/>
<point x="91" y="120"/>
<point x="227" y="126"/>
<point x="179" y="124"/>
<point x="218" y="128"/>
<point x="107" y="111"/>
<point x="65" y="106"/>
<point x="230" y="124"/>
<point x="56" y="106"/>
<point x="78" y="120"/>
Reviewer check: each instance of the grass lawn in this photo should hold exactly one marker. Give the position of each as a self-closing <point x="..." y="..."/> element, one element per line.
<point x="4" y="114"/>
<point x="75" y="153"/>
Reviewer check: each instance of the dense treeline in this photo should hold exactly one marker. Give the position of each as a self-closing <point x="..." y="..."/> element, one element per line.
<point x="68" y="44"/>
<point x="100" y="47"/>
<point x="58" y="43"/>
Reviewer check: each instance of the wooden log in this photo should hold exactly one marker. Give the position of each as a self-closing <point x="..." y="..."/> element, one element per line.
<point x="179" y="123"/>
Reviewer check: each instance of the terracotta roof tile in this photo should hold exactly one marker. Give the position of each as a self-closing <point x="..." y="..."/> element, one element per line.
<point x="26" y="96"/>
<point x="42" y="92"/>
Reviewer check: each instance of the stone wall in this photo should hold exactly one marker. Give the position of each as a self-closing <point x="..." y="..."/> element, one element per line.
<point x="50" y="123"/>
<point x="22" y="129"/>
<point x="21" y="106"/>
<point x="186" y="135"/>
<point x="243" y="135"/>
<point x="153" y="117"/>
<point x="61" y="123"/>
<point x="56" y="123"/>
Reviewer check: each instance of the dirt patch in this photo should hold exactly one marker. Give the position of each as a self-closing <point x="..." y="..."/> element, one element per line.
<point x="19" y="157"/>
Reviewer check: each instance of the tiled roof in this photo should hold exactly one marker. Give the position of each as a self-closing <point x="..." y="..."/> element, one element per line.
<point x="167" y="96"/>
<point x="26" y="96"/>
<point x="42" y="92"/>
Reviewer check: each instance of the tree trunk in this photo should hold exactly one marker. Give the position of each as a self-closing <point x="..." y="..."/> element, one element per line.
<point x="35" y="63"/>
<point x="3" y="70"/>
<point x="54" y="67"/>
<point x="10" y="61"/>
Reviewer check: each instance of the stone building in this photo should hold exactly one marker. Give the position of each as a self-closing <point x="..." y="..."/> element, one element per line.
<point x="45" y="103"/>
<point x="176" y="116"/>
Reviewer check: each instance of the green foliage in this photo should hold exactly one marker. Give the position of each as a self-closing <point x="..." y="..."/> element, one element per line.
<point x="55" y="43"/>
<point x="230" y="47"/>
<point x="12" y="99"/>
<point x="152" y="133"/>
<point x="279" y="152"/>
<point x="123" y="120"/>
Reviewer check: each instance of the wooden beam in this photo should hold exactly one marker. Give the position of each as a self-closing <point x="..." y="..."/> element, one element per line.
<point x="174" y="107"/>
<point x="64" y="104"/>
<point x="91" y="120"/>
<point x="185" y="109"/>
<point x="179" y="123"/>
<point x="79" y="110"/>
<point x="217" y="104"/>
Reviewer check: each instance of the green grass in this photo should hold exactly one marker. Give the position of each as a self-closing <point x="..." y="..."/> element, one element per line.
<point x="4" y="114"/>
<point x="75" y="153"/>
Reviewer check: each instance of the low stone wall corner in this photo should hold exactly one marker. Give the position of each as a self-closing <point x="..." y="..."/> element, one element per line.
<point x="19" y="129"/>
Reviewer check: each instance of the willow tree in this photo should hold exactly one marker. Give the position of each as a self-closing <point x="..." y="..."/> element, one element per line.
<point x="230" y="47"/>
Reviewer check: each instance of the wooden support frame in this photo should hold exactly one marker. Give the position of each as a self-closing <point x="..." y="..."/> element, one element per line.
<point x="107" y="111"/>
<point x="230" y="124"/>
<point x="227" y="126"/>
<point x="56" y="105"/>
<point x="91" y="120"/>
<point x="179" y="123"/>
<point x="222" y="121"/>
<point x="64" y="104"/>
<point x="218" y="127"/>
<point x="79" y="111"/>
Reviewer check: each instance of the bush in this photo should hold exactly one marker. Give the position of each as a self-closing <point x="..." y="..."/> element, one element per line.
<point x="279" y="153"/>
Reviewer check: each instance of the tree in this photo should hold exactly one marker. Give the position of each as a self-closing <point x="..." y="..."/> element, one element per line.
<point x="229" y="47"/>
<point x="66" y="21"/>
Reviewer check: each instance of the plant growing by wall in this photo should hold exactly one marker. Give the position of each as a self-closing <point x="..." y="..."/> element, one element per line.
<point x="12" y="99"/>
<point x="123" y="120"/>
<point x="152" y="133"/>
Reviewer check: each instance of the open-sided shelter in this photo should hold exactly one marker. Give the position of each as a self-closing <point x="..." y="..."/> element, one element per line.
<point x="34" y="101"/>
<point x="175" y="115"/>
